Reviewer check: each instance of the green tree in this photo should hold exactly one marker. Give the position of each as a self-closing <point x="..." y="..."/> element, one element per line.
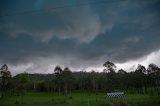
<point x="121" y="71"/>
<point x="152" y="68"/>
<point x="22" y="80"/>
<point x="140" y="69"/>
<point x="111" y="77"/>
<point x="154" y="76"/>
<point x="109" y="67"/>
<point x="122" y="75"/>
<point x="5" y="76"/>
<point x="58" y="78"/>
<point x="41" y="86"/>
<point x="58" y="70"/>
<point x="140" y="78"/>
<point x="93" y="80"/>
<point x="67" y="79"/>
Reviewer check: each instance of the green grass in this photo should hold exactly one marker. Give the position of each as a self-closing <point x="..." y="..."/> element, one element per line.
<point x="76" y="99"/>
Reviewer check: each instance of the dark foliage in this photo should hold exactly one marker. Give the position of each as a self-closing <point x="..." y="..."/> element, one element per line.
<point x="142" y="80"/>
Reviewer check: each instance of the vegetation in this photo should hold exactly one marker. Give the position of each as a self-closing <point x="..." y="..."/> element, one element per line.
<point x="78" y="99"/>
<point x="67" y="88"/>
<point x="5" y="78"/>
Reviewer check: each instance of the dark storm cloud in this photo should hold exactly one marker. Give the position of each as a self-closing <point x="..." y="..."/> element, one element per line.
<point x="65" y="23"/>
<point x="119" y="30"/>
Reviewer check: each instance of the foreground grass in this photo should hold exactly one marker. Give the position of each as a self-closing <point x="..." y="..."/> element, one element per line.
<point x="76" y="99"/>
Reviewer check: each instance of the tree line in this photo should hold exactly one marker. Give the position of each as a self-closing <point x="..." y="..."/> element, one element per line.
<point x="142" y="80"/>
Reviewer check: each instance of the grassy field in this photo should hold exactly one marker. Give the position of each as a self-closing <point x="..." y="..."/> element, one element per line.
<point x="76" y="99"/>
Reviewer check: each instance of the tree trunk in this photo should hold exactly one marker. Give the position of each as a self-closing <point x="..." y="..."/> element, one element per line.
<point x="59" y="90"/>
<point x="66" y="89"/>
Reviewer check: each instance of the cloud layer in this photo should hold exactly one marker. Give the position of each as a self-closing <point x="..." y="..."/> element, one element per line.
<point x="34" y="36"/>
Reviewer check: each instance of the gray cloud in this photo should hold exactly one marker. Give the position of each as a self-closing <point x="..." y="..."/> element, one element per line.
<point x="80" y="37"/>
<point x="79" y="23"/>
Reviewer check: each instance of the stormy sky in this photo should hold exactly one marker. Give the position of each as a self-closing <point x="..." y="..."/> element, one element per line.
<point x="37" y="35"/>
